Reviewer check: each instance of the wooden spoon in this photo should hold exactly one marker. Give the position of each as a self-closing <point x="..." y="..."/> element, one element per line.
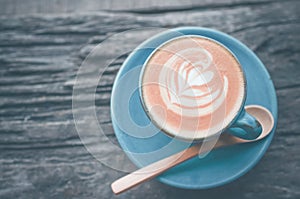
<point x="263" y="116"/>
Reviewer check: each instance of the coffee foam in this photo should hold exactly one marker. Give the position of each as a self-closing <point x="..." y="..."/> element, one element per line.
<point x="198" y="83"/>
<point x="192" y="85"/>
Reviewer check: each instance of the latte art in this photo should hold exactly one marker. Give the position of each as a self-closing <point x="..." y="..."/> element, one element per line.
<point x="196" y="85"/>
<point x="192" y="86"/>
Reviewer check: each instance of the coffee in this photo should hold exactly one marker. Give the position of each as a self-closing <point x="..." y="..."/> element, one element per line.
<point x="192" y="87"/>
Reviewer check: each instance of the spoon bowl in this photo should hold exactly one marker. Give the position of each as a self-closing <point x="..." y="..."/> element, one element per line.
<point x="264" y="117"/>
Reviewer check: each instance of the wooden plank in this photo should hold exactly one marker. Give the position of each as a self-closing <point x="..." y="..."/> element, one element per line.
<point x="13" y="7"/>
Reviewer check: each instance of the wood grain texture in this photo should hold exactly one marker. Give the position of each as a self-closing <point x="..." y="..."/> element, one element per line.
<point x="41" y="155"/>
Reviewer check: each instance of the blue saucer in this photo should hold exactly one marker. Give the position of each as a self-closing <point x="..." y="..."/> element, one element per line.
<point x="144" y="144"/>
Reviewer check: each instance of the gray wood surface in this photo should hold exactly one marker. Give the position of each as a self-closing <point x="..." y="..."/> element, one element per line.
<point x="43" y="43"/>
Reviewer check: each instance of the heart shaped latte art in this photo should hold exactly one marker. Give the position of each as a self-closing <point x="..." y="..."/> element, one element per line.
<point x="191" y="85"/>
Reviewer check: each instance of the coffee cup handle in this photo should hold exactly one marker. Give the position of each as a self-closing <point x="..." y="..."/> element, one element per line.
<point x="245" y="127"/>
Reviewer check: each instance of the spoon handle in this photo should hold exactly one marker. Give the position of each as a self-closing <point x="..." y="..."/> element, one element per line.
<point x="146" y="173"/>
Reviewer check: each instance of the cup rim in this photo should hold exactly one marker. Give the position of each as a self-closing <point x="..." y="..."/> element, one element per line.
<point x="179" y="136"/>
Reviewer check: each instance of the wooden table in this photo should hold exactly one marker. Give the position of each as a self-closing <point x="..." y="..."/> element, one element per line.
<point x="42" y="45"/>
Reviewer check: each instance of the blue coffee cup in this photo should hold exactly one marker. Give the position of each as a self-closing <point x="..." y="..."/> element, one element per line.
<point x="241" y="124"/>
